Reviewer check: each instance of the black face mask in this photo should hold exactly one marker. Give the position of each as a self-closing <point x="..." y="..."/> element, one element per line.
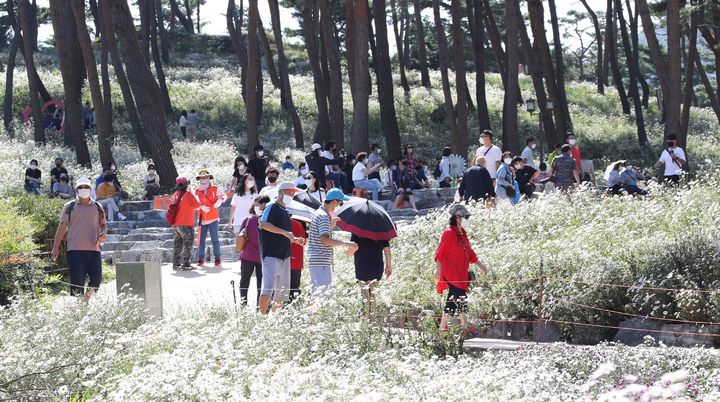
<point x="272" y="179"/>
<point x="58" y="164"/>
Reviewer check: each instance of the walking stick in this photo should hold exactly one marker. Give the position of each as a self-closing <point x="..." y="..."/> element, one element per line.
<point x="232" y="283"/>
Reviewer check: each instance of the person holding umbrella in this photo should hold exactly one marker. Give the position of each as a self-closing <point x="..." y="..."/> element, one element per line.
<point x="321" y="243"/>
<point x="275" y="239"/>
<point x="369" y="267"/>
<point x="453" y="258"/>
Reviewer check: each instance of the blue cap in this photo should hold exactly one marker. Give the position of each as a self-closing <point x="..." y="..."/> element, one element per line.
<point x="336" y="194"/>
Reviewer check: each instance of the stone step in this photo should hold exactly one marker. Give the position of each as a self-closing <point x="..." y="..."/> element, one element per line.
<point x="117" y="245"/>
<point x="128" y="206"/>
<point x="153" y="214"/>
<point x="130" y="224"/>
<point x="223" y="242"/>
<point x="118" y="230"/>
<point x="164" y="255"/>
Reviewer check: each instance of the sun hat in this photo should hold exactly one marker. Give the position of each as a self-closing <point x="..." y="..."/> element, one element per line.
<point x="315" y="146"/>
<point x="336" y="194"/>
<point x="83" y="181"/>
<point x="287" y="185"/>
<point x="459" y="210"/>
<point x="204" y="173"/>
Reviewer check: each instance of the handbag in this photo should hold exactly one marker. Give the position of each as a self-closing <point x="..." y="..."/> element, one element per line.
<point x="241" y="241"/>
<point x="510" y="191"/>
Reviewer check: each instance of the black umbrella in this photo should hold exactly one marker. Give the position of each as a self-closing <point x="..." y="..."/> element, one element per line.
<point x="304" y="198"/>
<point x="366" y="219"/>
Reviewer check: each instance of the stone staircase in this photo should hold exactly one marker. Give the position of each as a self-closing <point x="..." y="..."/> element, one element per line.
<point x="145" y="236"/>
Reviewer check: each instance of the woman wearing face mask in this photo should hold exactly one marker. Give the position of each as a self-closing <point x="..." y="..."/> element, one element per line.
<point x="211" y="198"/>
<point x="313" y="187"/>
<point x="240" y="168"/>
<point x="453" y="258"/>
<point x="504" y="182"/>
<point x="409" y="156"/>
<point x="32" y="178"/>
<point x="63" y="189"/>
<point x="152" y="183"/>
<point x="242" y="202"/>
<point x="374" y="159"/>
<point x="250" y="256"/>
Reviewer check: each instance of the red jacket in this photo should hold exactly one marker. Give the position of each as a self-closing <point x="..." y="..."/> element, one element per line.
<point x="186" y="209"/>
<point x="297" y="252"/>
<point x="575" y="153"/>
<point x="455" y="256"/>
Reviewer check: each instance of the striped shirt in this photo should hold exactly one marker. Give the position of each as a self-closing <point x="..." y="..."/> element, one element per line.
<point x="319" y="255"/>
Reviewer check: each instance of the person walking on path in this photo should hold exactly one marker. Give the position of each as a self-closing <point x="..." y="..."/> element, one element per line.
<point x="183" y="224"/>
<point x="83" y="226"/>
<point x="476" y="183"/>
<point x="492" y="153"/>
<point x="257" y="165"/>
<point x="672" y="161"/>
<point x="527" y="153"/>
<point x="183" y="123"/>
<point x="211" y="198"/>
<point x="192" y="122"/>
<point x="242" y="202"/>
<point x="565" y="170"/>
<point x="275" y="239"/>
<point x="321" y="243"/>
<point x="453" y="258"/>
<point x="361" y="173"/>
<point x="250" y="255"/>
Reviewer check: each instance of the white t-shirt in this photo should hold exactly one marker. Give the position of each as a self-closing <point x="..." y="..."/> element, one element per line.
<point x="527" y="154"/>
<point x="270" y="191"/>
<point x="672" y="168"/>
<point x="183" y="121"/>
<point x="492" y="155"/>
<point x="329" y="155"/>
<point x="242" y="204"/>
<point x="319" y="195"/>
<point x="358" y="172"/>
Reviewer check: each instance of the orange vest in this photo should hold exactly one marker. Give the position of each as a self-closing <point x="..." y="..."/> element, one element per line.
<point x="208" y="198"/>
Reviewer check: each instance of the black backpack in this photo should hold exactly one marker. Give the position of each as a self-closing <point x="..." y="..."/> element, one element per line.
<point x="71" y="206"/>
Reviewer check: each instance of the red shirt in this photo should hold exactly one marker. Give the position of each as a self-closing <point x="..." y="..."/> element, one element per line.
<point x="575" y="153"/>
<point x="455" y="256"/>
<point x="297" y="257"/>
<point x="186" y="209"/>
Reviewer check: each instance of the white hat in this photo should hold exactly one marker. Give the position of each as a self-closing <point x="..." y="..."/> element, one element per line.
<point x="287" y="185"/>
<point x="315" y="146"/>
<point x="83" y="181"/>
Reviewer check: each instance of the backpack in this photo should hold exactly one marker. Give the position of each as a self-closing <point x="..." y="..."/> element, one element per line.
<point x="71" y="206"/>
<point x="174" y="207"/>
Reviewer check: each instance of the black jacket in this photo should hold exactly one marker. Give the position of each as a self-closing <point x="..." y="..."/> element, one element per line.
<point x="476" y="184"/>
<point x="317" y="164"/>
<point x="257" y="167"/>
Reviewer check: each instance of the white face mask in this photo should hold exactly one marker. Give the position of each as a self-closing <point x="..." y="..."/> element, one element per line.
<point x="284" y="198"/>
<point x="204" y="181"/>
<point x="112" y="168"/>
<point x="572" y="142"/>
<point x="249" y="184"/>
<point x="378" y="150"/>
<point x="507" y="161"/>
<point x="151" y="172"/>
<point x="83" y="193"/>
<point x="532" y="146"/>
<point x="33" y="167"/>
<point x="258" y="211"/>
<point x="518" y="166"/>
<point x="465" y="223"/>
<point x="261" y="153"/>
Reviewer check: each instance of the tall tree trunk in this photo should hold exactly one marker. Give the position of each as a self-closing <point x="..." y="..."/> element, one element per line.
<point x="510" y="113"/>
<point x="145" y="91"/>
<point x="284" y="76"/>
<point x="39" y="133"/>
<point x="399" y="47"/>
<point x="103" y="123"/>
<point x="234" y="26"/>
<point x="422" y="52"/>
<point x="197" y="16"/>
<point x="267" y="52"/>
<point x="252" y="76"/>
<point x="164" y="41"/>
<point x="70" y="57"/>
<point x="184" y="21"/>
<point x="496" y="44"/>
<point x="10" y="8"/>
<point x="460" y="143"/>
<point x="613" y="57"/>
<point x="633" y="69"/>
<point x="444" y="62"/>
<point x="357" y="33"/>
<point x="559" y="67"/>
<point x="105" y="79"/>
<point x="477" y="37"/>
<point x="310" y="34"/>
<point x="691" y="32"/>
<point x="337" y="118"/>
<point x="407" y="22"/>
<point x="130" y="108"/>
<point x="8" y="98"/>
<point x="159" y="70"/>
<point x="712" y="95"/>
<point x="383" y="72"/>
<point x="599" y="41"/>
<point x="715" y="12"/>
<point x="542" y="49"/>
<point x="145" y="12"/>
<point x="634" y="38"/>
<point x="95" y="15"/>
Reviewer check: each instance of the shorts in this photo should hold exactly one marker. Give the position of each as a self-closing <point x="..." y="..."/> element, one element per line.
<point x="320" y="280"/>
<point x="456" y="301"/>
<point x="276" y="278"/>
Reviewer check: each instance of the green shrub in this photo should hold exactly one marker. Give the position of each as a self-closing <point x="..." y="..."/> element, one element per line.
<point x="16" y="248"/>
<point x="42" y="213"/>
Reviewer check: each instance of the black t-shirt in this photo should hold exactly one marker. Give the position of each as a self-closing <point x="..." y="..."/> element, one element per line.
<point x="34" y="173"/>
<point x="524" y="175"/>
<point x="369" y="263"/>
<point x="57" y="171"/>
<point x="256" y="167"/>
<point x="271" y="244"/>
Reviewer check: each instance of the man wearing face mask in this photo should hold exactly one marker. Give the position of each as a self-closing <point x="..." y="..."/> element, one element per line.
<point x="83" y="225"/>
<point x="57" y="171"/>
<point x="257" y="165"/>
<point x="527" y="153"/>
<point x="673" y="160"/>
<point x="32" y="178"/>
<point x="574" y="150"/>
<point x="492" y="153"/>
<point x="271" y="188"/>
<point x="477" y="184"/>
<point x="525" y="175"/>
<point x="211" y="198"/>
<point x="321" y="243"/>
<point x="275" y="239"/>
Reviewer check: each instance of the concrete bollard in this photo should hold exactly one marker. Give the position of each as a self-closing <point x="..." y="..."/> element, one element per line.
<point x="142" y="279"/>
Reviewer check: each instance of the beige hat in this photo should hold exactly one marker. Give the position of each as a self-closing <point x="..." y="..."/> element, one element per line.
<point x="287" y="185"/>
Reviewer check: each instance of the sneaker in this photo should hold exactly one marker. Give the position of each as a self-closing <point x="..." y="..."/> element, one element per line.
<point x="176" y="267"/>
<point x="218" y="262"/>
<point x="121" y="216"/>
<point x="200" y="262"/>
<point x="187" y="268"/>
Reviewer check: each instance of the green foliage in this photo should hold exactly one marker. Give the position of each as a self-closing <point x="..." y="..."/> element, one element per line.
<point x="43" y="213"/>
<point x="16" y="247"/>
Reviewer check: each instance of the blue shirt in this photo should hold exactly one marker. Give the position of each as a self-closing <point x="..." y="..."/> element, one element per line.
<point x="288" y="166"/>
<point x="614" y="178"/>
<point x="629" y="178"/>
<point x="271" y="244"/>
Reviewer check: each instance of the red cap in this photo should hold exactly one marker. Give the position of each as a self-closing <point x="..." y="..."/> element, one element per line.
<point x="181" y="180"/>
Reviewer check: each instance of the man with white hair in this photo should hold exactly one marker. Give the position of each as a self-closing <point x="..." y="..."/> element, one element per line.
<point x="476" y="182"/>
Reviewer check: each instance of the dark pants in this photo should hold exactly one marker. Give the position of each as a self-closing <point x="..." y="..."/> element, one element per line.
<point x="183" y="130"/>
<point x="374" y="175"/>
<point x="82" y="264"/>
<point x="456" y="301"/>
<point x="674" y="179"/>
<point x="87" y="123"/>
<point x="632" y="190"/>
<point x="246" y="271"/>
<point x="182" y="245"/>
<point x="295" y="275"/>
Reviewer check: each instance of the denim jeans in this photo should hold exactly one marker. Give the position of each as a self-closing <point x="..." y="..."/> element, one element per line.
<point x="337" y="179"/>
<point x="320" y="280"/>
<point x="111" y="206"/>
<point x="373" y="185"/>
<point x="33" y="187"/>
<point x="214" y="237"/>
